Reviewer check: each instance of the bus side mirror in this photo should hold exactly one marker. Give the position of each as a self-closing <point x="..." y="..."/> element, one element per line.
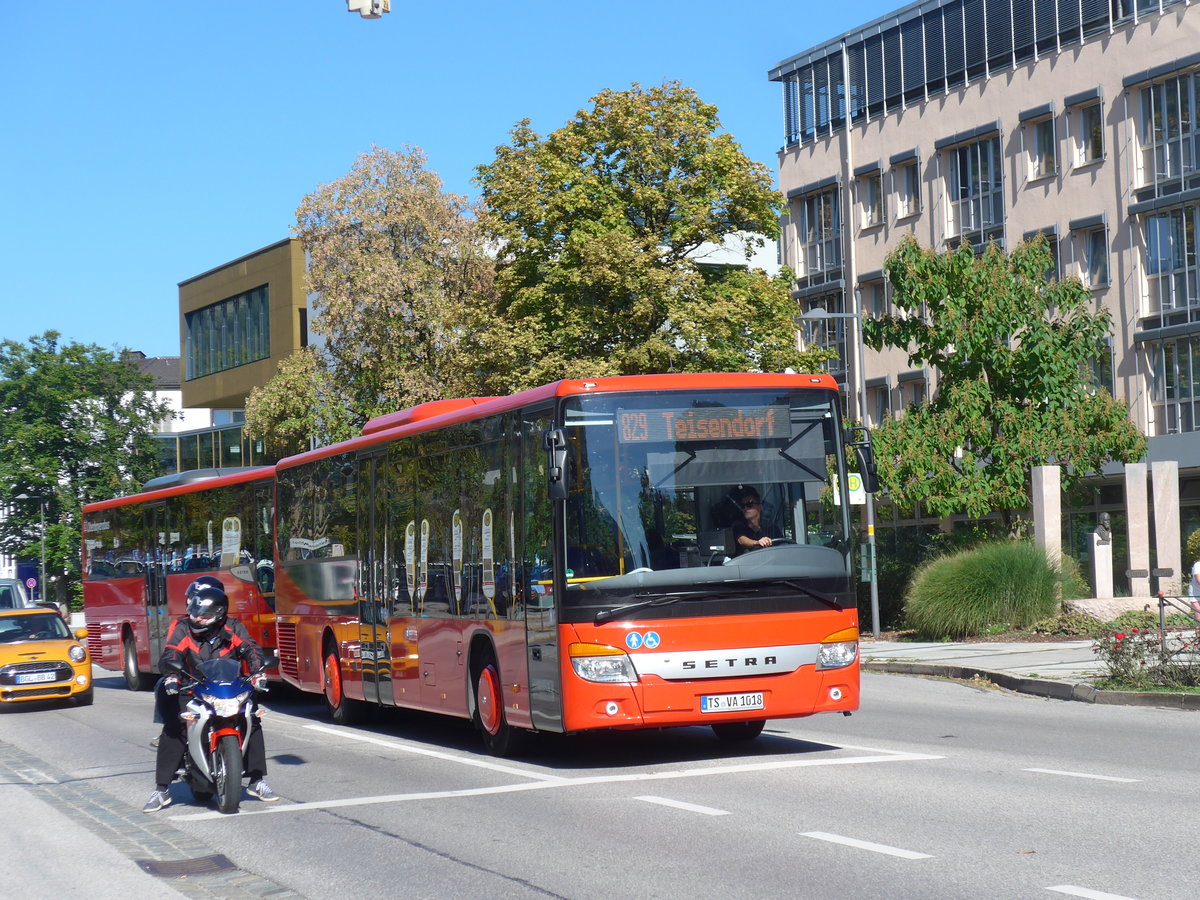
<point x="861" y="442"/>
<point x="554" y="442"/>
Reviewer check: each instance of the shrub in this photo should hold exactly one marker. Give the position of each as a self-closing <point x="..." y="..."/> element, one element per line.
<point x="1006" y="584"/>
<point x="1139" y="660"/>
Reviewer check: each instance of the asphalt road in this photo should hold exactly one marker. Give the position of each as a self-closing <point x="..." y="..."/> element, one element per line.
<point x="934" y="789"/>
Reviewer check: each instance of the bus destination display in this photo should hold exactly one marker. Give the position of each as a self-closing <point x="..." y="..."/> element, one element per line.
<point x="702" y="424"/>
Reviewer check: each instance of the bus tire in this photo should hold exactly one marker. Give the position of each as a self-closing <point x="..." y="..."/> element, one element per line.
<point x="134" y="679"/>
<point x="738" y="731"/>
<point x="499" y="738"/>
<point x="342" y="709"/>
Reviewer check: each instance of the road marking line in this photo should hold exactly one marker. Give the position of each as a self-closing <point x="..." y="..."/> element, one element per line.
<point x="1085" y="775"/>
<point x="550" y="781"/>
<point x="436" y="754"/>
<point x="1074" y="891"/>
<point x="865" y="845"/>
<point x="687" y="807"/>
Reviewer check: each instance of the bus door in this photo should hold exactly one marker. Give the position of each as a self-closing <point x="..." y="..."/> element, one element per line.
<point x="540" y="534"/>
<point x="373" y="589"/>
<point x="160" y="556"/>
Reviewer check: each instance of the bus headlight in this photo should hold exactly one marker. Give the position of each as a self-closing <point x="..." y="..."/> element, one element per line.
<point x="838" y="650"/>
<point x="599" y="662"/>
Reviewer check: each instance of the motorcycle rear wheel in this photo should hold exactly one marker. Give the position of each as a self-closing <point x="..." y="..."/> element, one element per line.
<point x="227" y="773"/>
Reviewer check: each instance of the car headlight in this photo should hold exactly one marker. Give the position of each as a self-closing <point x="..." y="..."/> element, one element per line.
<point x="599" y="662"/>
<point x="838" y="650"/>
<point x="77" y="653"/>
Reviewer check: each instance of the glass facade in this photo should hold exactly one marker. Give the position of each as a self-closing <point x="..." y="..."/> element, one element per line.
<point x="931" y="48"/>
<point x="209" y="449"/>
<point x="228" y="334"/>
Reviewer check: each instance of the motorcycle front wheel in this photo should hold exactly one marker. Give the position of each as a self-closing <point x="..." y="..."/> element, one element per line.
<point x="227" y="773"/>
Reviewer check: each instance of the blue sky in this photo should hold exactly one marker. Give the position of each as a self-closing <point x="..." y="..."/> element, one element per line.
<point x="147" y="142"/>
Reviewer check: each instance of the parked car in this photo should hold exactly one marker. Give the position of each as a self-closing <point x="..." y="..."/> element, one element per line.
<point x="41" y="659"/>
<point x="13" y="594"/>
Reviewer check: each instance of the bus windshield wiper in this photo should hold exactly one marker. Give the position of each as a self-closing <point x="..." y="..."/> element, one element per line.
<point x="606" y="615"/>
<point x="816" y="595"/>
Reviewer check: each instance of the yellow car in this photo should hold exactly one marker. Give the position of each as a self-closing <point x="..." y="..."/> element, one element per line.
<point x="41" y="660"/>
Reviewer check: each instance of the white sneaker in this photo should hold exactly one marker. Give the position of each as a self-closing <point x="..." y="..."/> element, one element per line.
<point x="158" y="800"/>
<point x="260" y="790"/>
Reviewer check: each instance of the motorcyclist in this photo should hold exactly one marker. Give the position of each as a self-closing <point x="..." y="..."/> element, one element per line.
<point x="206" y="632"/>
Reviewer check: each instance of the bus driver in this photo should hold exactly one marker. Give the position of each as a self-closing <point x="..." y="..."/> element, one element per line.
<point x="752" y="532"/>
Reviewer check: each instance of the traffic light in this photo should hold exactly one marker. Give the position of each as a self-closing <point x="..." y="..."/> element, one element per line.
<point x="369" y="9"/>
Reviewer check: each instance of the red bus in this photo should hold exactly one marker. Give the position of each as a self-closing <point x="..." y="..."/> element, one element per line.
<point x="563" y="559"/>
<point x="142" y="551"/>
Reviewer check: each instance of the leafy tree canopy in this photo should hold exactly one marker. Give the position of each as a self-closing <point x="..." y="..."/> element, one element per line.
<point x="300" y="403"/>
<point x="598" y="224"/>
<point x="394" y="264"/>
<point x="76" y="426"/>
<point x="1014" y="354"/>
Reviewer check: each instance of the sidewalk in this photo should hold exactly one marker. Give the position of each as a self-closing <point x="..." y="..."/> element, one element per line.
<point x="1061" y="670"/>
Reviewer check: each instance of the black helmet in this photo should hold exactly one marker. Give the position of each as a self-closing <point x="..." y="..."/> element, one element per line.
<point x="204" y="581"/>
<point x="207" y="610"/>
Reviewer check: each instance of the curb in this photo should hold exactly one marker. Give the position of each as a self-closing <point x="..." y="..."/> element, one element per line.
<point x="1042" y="687"/>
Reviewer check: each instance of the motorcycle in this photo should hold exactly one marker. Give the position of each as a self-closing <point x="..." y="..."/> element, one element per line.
<point x="218" y="720"/>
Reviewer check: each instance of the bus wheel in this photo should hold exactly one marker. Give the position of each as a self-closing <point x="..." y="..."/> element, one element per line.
<point x="342" y="709"/>
<point x="134" y="680"/>
<point x="499" y="738"/>
<point x="739" y="731"/>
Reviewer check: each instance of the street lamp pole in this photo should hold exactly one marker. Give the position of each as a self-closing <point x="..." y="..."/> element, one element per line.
<point x="860" y="378"/>
<point x="42" y="519"/>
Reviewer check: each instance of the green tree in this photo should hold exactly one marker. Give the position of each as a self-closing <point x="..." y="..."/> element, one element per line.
<point x="599" y="224"/>
<point x="76" y="427"/>
<point x="299" y="404"/>
<point x="394" y="264"/>
<point x="1014" y="353"/>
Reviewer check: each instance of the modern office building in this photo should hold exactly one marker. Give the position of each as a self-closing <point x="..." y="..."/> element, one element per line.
<point x="994" y="120"/>
<point x="237" y="322"/>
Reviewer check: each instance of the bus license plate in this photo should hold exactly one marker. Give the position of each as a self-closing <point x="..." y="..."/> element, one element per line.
<point x="712" y="703"/>
<point x="35" y="677"/>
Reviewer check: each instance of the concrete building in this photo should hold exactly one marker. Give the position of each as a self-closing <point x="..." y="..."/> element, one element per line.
<point x="993" y="120"/>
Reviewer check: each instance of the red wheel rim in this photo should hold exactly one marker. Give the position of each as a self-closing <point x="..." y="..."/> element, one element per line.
<point x="487" y="698"/>
<point x="333" y="680"/>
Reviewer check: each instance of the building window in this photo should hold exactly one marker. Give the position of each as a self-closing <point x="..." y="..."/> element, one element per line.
<point x="820" y="235"/>
<point x="1095" y="257"/>
<point x="874" y="299"/>
<point x="1043" y="158"/>
<point x="828" y="332"/>
<point x="1175" y="385"/>
<point x="1172" y="246"/>
<point x="1089" y="133"/>
<point x="870" y="199"/>
<point x="878" y="405"/>
<point x="907" y="179"/>
<point x="912" y="393"/>
<point x="1103" y="368"/>
<point x="228" y="334"/>
<point x="1170" y="132"/>
<point x="975" y="186"/>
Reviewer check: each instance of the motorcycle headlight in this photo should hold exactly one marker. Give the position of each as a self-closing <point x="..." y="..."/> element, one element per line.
<point x="598" y="662"/>
<point x="226" y="707"/>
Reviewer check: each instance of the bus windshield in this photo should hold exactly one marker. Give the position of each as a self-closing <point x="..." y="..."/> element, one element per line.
<point x="663" y="485"/>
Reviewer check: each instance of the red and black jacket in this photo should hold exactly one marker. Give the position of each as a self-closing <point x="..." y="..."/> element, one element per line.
<point x="184" y="652"/>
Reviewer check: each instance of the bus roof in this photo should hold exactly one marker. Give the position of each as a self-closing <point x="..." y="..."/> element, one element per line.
<point x="189" y="482"/>
<point x="440" y="413"/>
